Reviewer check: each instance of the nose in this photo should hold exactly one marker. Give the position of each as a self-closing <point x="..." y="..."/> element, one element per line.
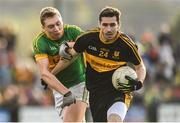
<point x="108" y="28"/>
<point x="56" y="28"/>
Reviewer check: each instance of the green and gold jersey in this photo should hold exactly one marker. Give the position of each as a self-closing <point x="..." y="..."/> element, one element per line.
<point x="103" y="58"/>
<point x="43" y="47"/>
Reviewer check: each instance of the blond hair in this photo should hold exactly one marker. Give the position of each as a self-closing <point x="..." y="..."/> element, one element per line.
<point x="48" y="12"/>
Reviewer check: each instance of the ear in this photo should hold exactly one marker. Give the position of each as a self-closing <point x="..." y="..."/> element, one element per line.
<point x="43" y="28"/>
<point x="119" y="25"/>
<point x="99" y="24"/>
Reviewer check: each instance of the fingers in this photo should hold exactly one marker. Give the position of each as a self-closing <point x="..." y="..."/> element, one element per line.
<point x="67" y="104"/>
<point x="63" y="51"/>
<point x="66" y="44"/>
<point x="128" y="78"/>
<point x="68" y="99"/>
<point x="64" y="105"/>
<point x="44" y="84"/>
<point x="131" y="80"/>
<point x="125" y="88"/>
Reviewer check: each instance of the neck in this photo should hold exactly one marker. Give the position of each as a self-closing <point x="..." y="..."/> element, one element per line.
<point x="107" y="41"/>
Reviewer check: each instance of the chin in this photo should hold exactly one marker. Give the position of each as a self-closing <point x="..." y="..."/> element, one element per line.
<point x="110" y="38"/>
<point x="57" y="37"/>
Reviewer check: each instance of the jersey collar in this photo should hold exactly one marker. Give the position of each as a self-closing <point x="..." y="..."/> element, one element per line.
<point x="105" y="41"/>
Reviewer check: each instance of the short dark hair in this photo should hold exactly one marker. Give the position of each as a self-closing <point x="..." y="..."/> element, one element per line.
<point x="48" y="12"/>
<point x="109" y="12"/>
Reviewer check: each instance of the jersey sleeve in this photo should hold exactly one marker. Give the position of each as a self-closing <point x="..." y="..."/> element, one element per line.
<point x="132" y="51"/>
<point x="81" y="43"/>
<point x="40" y="49"/>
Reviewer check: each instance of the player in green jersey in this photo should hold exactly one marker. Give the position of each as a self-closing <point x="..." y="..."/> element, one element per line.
<point x="68" y="85"/>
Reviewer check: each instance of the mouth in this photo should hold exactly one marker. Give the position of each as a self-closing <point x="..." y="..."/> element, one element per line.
<point x="57" y="33"/>
<point x="109" y="34"/>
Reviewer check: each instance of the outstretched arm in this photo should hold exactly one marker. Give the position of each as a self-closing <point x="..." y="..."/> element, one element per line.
<point x="61" y="65"/>
<point x="53" y="82"/>
<point x="49" y="78"/>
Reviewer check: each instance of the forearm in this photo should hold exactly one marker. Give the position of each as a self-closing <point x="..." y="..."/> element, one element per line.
<point x="141" y="72"/>
<point x="73" y="52"/>
<point x="62" y="64"/>
<point x="54" y="83"/>
<point x="67" y="55"/>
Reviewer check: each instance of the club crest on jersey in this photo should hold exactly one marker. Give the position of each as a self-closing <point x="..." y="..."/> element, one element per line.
<point x="116" y="54"/>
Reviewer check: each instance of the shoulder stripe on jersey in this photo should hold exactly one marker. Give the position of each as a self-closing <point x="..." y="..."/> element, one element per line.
<point x="88" y="31"/>
<point x="131" y="45"/>
<point x="37" y="38"/>
<point x="84" y="58"/>
<point x="40" y="56"/>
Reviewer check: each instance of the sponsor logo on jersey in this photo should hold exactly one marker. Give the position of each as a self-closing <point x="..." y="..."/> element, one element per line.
<point x="53" y="48"/>
<point x="92" y="48"/>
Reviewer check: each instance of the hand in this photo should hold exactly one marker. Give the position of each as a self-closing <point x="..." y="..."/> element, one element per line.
<point x="44" y="84"/>
<point x="63" y="51"/>
<point x="68" y="99"/>
<point x="132" y="85"/>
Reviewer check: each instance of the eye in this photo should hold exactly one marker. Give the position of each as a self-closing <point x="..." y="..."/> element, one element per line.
<point x="59" y="25"/>
<point x="112" y="24"/>
<point x="109" y="24"/>
<point x="50" y="26"/>
<point x="105" y="24"/>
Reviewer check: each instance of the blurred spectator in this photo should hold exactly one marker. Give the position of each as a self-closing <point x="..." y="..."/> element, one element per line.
<point x="166" y="57"/>
<point x="7" y="55"/>
<point x="17" y="81"/>
<point x="165" y="35"/>
<point x="5" y="77"/>
<point x="10" y="104"/>
<point x="150" y="54"/>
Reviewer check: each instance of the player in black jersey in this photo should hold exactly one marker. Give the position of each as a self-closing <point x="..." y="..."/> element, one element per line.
<point x="106" y="49"/>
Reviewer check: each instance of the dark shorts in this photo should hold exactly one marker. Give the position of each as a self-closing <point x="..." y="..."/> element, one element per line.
<point x="100" y="103"/>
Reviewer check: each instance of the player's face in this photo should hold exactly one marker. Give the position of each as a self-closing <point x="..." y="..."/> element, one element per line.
<point x="53" y="27"/>
<point x="109" y="27"/>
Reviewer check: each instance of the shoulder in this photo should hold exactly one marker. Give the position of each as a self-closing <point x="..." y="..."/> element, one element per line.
<point x="68" y="27"/>
<point x="93" y="30"/>
<point x="39" y="39"/>
<point x="124" y="37"/>
<point x="90" y="33"/>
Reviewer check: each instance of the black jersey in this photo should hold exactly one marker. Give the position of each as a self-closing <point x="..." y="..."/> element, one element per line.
<point x="103" y="58"/>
